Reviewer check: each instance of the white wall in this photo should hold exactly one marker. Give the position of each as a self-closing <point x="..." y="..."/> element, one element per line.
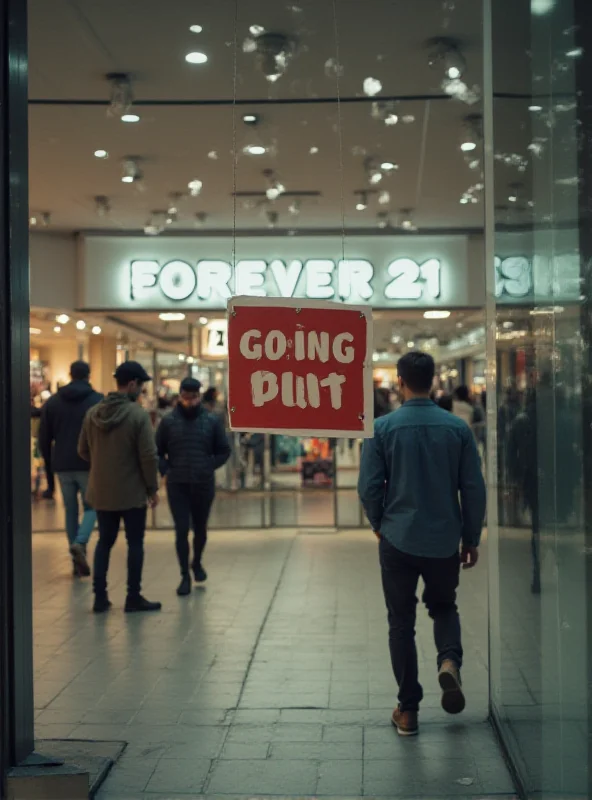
<point x="53" y="273"/>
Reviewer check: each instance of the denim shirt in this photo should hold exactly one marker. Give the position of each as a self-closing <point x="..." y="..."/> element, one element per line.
<point x="420" y="481"/>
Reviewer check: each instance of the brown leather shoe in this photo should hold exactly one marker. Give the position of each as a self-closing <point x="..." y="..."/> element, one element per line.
<point x="405" y="722"/>
<point x="453" y="699"/>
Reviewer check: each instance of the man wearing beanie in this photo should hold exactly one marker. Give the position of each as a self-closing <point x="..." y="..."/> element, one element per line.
<point x="191" y="445"/>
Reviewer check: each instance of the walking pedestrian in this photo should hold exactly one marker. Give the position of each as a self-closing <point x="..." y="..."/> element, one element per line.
<point x="423" y="492"/>
<point x="59" y="430"/>
<point x="118" y="440"/>
<point x="192" y="445"/>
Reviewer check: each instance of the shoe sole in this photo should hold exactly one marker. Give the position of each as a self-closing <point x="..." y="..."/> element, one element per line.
<point x="80" y="562"/>
<point x="403" y="732"/>
<point x="453" y="699"/>
<point x="141" y="610"/>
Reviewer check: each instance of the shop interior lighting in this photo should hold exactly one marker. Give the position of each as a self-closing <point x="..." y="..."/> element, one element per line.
<point x="372" y="87"/>
<point x="80" y="325"/>
<point x="196" y="58"/>
<point x="96" y="330"/>
<point x="130" y="118"/>
<point x="406" y="222"/>
<point x="121" y="96"/>
<point x="33" y="221"/>
<point x="535" y="108"/>
<point x="384" y="198"/>
<point x="362" y="203"/>
<point x="411" y="345"/>
<point x="383" y="220"/>
<point x="172" y="316"/>
<point x="62" y="319"/>
<point x="251" y="119"/>
<point x="255" y="150"/>
<point x="436" y="314"/>
<point x="388" y="166"/>
<point x="472" y="133"/>
<point x="57" y="329"/>
<point x="541" y="7"/>
<point x="272" y="218"/>
<point x="195" y="186"/>
<point x="35" y="331"/>
<point x="313" y="151"/>
<point x="575" y="52"/>
<point x="275" y="188"/>
<point x="131" y="171"/>
<point x="203" y="320"/>
<point x="273" y="52"/>
<point x="195" y="28"/>
<point x="173" y="207"/>
<point x="445" y="52"/>
<point x="101" y="154"/>
<point x="181" y="357"/>
<point x="295" y="207"/>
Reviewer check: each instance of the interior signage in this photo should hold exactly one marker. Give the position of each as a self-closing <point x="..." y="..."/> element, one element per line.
<point x="315" y="279"/>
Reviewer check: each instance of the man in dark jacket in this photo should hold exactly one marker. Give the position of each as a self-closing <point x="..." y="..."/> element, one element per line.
<point x="61" y="422"/>
<point x="191" y="445"/>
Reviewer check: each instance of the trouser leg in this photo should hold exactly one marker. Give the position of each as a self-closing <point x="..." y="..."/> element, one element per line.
<point x="89" y="516"/>
<point x="440" y="576"/>
<point x="399" y="582"/>
<point x="201" y="505"/>
<point x="108" y="530"/>
<point x="69" y="489"/>
<point x="134" y="520"/>
<point x="180" y="505"/>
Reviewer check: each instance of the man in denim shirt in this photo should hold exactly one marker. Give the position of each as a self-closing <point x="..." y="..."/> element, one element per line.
<point x="423" y="492"/>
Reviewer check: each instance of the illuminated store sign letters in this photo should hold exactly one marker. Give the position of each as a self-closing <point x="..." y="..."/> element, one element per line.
<point x="317" y="279"/>
<point x="513" y="276"/>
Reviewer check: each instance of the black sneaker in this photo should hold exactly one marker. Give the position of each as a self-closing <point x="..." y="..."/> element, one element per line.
<point x="47" y="495"/>
<point x="200" y="574"/>
<point x="139" y="603"/>
<point x="185" y="586"/>
<point x="102" y="604"/>
<point x="78" y="552"/>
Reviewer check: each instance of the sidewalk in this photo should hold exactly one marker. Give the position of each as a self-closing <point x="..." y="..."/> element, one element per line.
<point x="275" y="680"/>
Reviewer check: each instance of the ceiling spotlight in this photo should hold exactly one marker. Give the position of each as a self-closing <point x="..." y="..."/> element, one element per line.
<point x="195" y="28"/>
<point x="173" y="207"/>
<point x="102" y="205"/>
<point x="383" y="220"/>
<point x="388" y="166"/>
<point x="172" y="316"/>
<point x="411" y="345"/>
<point x="32" y="221"/>
<point x="467" y="146"/>
<point x="384" y="198"/>
<point x="156" y="223"/>
<point x="406" y="222"/>
<point x="57" y="329"/>
<point x="255" y="150"/>
<point x="196" y="58"/>
<point x="96" y="330"/>
<point x="436" y="314"/>
<point x="391" y="120"/>
<point x="541" y="7"/>
<point x="131" y="171"/>
<point x="62" y="319"/>
<point x="472" y="133"/>
<point x="181" y="357"/>
<point x="130" y="118"/>
<point x="195" y="187"/>
<point x="35" y="331"/>
<point x="275" y="188"/>
<point x="251" y="119"/>
<point x="372" y="86"/>
<point x="203" y="320"/>
<point x="362" y="203"/>
<point x="295" y="207"/>
<point x="101" y="154"/>
<point x="313" y="151"/>
<point x="446" y="52"/>
<point x="535" y="108"/>
<point x="45" y="219"/>
<point x="80" y="325"/>
<point x="272" y="218"/>
<point x="121" y="96"/>
<point x="256" y="30"/>
<point x="273" y="52"/>
<point x="575" y="52"/>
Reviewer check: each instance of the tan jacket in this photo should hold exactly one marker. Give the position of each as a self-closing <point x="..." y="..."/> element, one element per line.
<point x="118" y="441"/>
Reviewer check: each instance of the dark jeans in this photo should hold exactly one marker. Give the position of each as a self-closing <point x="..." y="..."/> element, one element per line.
<point x="134" y="520"/>
<point x="190" y="504"/>
<point x="400" y="575"/>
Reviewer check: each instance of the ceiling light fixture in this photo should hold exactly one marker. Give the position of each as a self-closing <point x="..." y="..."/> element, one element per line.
<point x="406" y="223"/>
<point x="196" y="58"/>
<point x="156" y="223"/>
<point x="384" y="198"/>
<point x="172" y="316"/>
<point x="35" y="331"/>
<point x="372" y="87"/>
<point x="121" y="96"/>
<point x="130" y="118"/>
<point x="203" y="320"/>
<point x="255" y="150"/>
<point x="131" y="171"/>
<point x="362" y="203"/>
<point x="383" y="220"/>
<point x="57" y="329"/>
<point x="575" y="52"/>
<point x="446" y="52"/>
<point x="251" y="119"/>
<point x="388" y="166"/>
<point x="32" y="221"/>
<point x="80" y="325"/>
<point x="541" y="7"/>
<point x="472" y="132"/>
<point x="96" y="330"/>
<point x="63" y="319"/>
<point x="436" y="314"/>
<point x="195" y="28"/>
<point x="534" y="107"/>
<point x="275" y="187"/>
<point x="295" y="207"/>
<point x="195" y="186"/>
<point x="101" y="154"/>
<point x="273" y="52"/>
<point x="411" y="345"/>
<point x="272" y="218"/>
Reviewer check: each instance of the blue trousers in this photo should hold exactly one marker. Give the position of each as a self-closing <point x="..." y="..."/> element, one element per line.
<point x="73" y="485"/>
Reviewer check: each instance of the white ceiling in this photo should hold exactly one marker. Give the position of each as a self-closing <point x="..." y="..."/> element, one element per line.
<point x="75" y="43"/>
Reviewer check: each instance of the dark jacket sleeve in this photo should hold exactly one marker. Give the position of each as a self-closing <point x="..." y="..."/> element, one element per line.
<point x="220" y="447"/>
<point x="46" y="433"/>
<point x="83" y="444"/>
<point x="162" y="446"/>
<point x="472" y="491"/>
<point x="372" y="480"/>
<point x="147" y="455"/>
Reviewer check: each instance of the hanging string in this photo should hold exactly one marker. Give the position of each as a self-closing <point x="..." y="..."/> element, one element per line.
<point x="339" y="128"/>
<point x="234" y="137"/>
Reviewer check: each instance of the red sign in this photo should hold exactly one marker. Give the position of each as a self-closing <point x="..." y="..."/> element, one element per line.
<point x="300" y="367"/>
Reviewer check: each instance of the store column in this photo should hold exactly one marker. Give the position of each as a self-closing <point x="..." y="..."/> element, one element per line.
<point x="102" y="356"/>
<point x="16" y="624"/>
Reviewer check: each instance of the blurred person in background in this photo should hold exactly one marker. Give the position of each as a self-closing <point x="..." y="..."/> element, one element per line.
<point x="192" y="445"/>
<point x="59" y="430"/>
<point x="117" y="439"/>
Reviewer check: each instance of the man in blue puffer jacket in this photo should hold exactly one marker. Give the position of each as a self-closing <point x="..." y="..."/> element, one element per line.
<point x="191" y="445"/>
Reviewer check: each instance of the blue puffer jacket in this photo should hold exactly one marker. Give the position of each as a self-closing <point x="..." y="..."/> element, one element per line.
<point x="191" y="449"/>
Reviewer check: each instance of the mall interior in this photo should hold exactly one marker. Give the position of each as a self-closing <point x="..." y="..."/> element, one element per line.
<point x="428" y="160"/>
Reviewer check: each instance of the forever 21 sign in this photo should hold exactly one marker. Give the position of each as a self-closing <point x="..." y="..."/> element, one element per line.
<point x="317" y="278"/>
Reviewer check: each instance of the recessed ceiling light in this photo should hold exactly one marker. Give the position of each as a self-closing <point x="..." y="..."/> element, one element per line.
<point x="436" y="314"/>
<point x="250" y="119"/>
<point x="81" y="325"/>
<point x="203" y="320"/>
<point x="453" y="73"/>
<point x="534" y="107"/>
<point x="411" y="345"/>
<point x="127" y="179"/>
<point x="57" y="329"/>
<point x="33" y="221"/>
<point x="130" y="118"/>
<point x="466" y="147"/>
<point x="63" y="319"/>
<point x="388" y="166"/>
<point x="256" y="30"/>
<point x="195" y="28"/>
<point x="96" y="330"/>
<point x="255" y="150"/>
<point x="35" y="331"/>
<point x="575" y="52"/>
<point x="172" y="316"/>
<point x="540" y="7"/>
<point x="196" y="58"/>
<point x="101" y="154"/>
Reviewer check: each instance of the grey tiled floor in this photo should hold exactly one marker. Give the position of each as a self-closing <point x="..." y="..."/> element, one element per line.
<point x="275" y="680"/>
